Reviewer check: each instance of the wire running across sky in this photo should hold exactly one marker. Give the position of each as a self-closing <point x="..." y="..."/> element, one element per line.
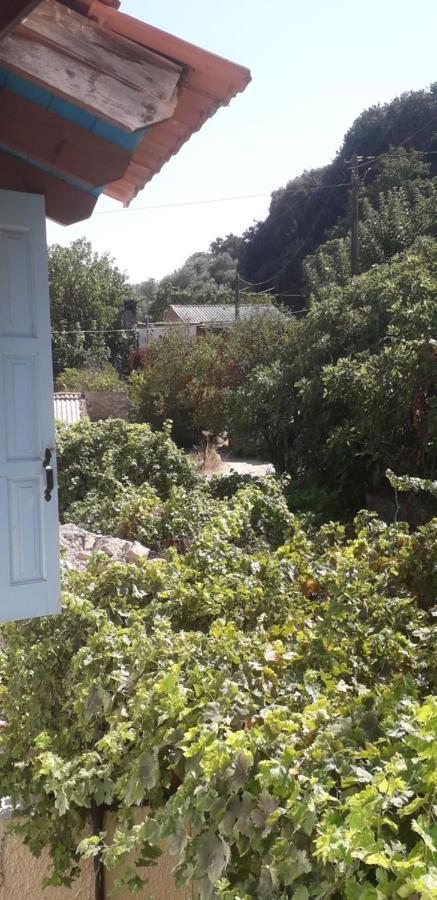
<point x="232" y="199"/>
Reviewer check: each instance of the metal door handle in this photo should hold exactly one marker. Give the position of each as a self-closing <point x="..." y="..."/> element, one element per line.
<point x="50" y="475"/>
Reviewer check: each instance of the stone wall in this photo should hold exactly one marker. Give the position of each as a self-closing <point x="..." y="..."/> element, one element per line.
<point x="21" y="876"/>
<point x="107" y="405"/>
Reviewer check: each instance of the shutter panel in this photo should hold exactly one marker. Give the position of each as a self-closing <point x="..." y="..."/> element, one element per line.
<point x="29" y="543"/>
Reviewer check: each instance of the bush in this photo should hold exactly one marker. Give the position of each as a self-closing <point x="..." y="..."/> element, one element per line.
<point x="104" y="378"/>
<point x="106" y="457"/>
<point x="192" y="380"/>
<point x="272" y="709"/>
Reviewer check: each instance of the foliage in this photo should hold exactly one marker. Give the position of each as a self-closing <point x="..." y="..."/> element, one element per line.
<point x="176" y="516"/>
<point x="145" y="294"/>
<point x="388" y="226"/>
<point x="87" y="294"/>
<point x="204" y="278"/>
<point x="407" y="483"/>
<point x="192" y="380"/>
<point x="352" y="391"/>
<point x="103" y="378"/>
<point x="334" y="398"/>
<point x="304" y="213"/>
<point x="267" y="696"/>
<point x="104" y="457"/>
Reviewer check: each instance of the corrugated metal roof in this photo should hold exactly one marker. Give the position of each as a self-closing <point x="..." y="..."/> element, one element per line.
<point x="69" y="407"/>
<point x="216" y="314"/>
<point x="209" y="81"/>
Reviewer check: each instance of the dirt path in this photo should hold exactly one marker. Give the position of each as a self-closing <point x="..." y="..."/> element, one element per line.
<point x="254" y="467"/>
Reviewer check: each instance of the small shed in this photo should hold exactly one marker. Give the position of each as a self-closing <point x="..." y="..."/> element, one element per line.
<point x="216" y="315"/>
<point x="195" y="320"/>
<point x="69" y="407"/>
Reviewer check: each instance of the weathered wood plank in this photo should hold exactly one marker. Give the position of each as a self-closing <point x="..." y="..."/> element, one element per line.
<point x="82" y="85"/>
<point x="64" y="203"/>
<point x="50" y="139"/>
<point x="107" y="53"/>
<point x="12" y="12"/>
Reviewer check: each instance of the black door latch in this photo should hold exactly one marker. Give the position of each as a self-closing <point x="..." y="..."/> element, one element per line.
<point x="49" y="475"/>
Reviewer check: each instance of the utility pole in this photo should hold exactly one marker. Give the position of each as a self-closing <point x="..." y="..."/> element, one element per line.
<point x="237" y="292"/>
<point x="355" y="250"/>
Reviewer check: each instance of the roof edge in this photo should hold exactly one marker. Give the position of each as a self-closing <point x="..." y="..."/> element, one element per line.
<point x="169" y="45"/>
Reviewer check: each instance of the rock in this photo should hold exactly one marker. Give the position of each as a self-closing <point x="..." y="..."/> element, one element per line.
<point x="88" y="541"/>
<point x="136" y="552"/>
<point x="78" y="545"/>
<point x="113" y="547"/>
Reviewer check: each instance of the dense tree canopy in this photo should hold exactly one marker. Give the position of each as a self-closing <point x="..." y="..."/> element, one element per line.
<point x="204" y="278"/>
<point x="87" y="294"/>
<point x="304" y="213"/>
<point x="333" y="398"/>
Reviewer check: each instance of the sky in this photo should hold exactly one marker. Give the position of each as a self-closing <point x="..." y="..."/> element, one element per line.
<point x="315" y="66"/>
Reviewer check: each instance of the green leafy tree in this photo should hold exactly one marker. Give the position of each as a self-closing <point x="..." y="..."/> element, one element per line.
<point x="145" y="293"/>
<point x="192" y="380"/>
<point x="399" y="206"/>
<point x="360" y="379"/>
<point x="87" y="294"/>
<point x="304" y="213"/>
<point x="112" y="454"/>
<point x="203" y="279"/>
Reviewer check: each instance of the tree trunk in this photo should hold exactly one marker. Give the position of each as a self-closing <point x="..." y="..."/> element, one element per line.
<point x="98" y="820"/>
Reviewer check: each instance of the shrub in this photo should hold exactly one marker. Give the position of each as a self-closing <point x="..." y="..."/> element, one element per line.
<point x="103" y="378"/>
<point x="192" y="380"/>
<point x="110" y="455"/>
<point x="272" y="709"/>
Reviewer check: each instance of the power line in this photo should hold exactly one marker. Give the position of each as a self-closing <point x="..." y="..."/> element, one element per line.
<point x="97" y="331"/>
<point x="133" y="209"/>
<point x="104" y="331"/>
<point x="257" y="283"/>
<point x="237" y="197"/>
<point x="375" y="159"/>
<point x="258" y="293"/>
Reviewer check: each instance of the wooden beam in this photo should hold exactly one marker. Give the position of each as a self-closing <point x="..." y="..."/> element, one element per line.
<point x="12" y="12"/>
<point x="58" y="143"/>
<point x="83" y="6"/>
<point x="64" y="203"/>
<point x="112" y="77"/>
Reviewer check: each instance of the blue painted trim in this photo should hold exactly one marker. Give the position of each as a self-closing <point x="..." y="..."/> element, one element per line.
<point x="69" y="111"/>
<point x="50" y="171"/>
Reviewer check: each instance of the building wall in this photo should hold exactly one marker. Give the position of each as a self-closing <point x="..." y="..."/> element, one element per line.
<point x="148" y="333"/>
<point x="21" y="877"/>
<point x="107" y="405"/>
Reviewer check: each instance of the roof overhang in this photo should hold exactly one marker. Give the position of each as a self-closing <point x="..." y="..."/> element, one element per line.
<point x="93" y="101"/>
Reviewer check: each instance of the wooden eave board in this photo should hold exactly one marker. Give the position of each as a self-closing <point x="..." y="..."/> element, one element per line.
<point x="111" y="76"/>
<point x="48" y="138"/>
<point x="12" y="12"/>
<point x="208" y="83"/>
<point x="65" y="203"/>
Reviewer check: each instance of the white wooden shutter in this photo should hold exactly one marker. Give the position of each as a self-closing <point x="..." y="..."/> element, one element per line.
<point x="29" y="547"/>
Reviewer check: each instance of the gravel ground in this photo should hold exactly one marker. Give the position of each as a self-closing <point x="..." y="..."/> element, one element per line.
<point x="245" y="467"/>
